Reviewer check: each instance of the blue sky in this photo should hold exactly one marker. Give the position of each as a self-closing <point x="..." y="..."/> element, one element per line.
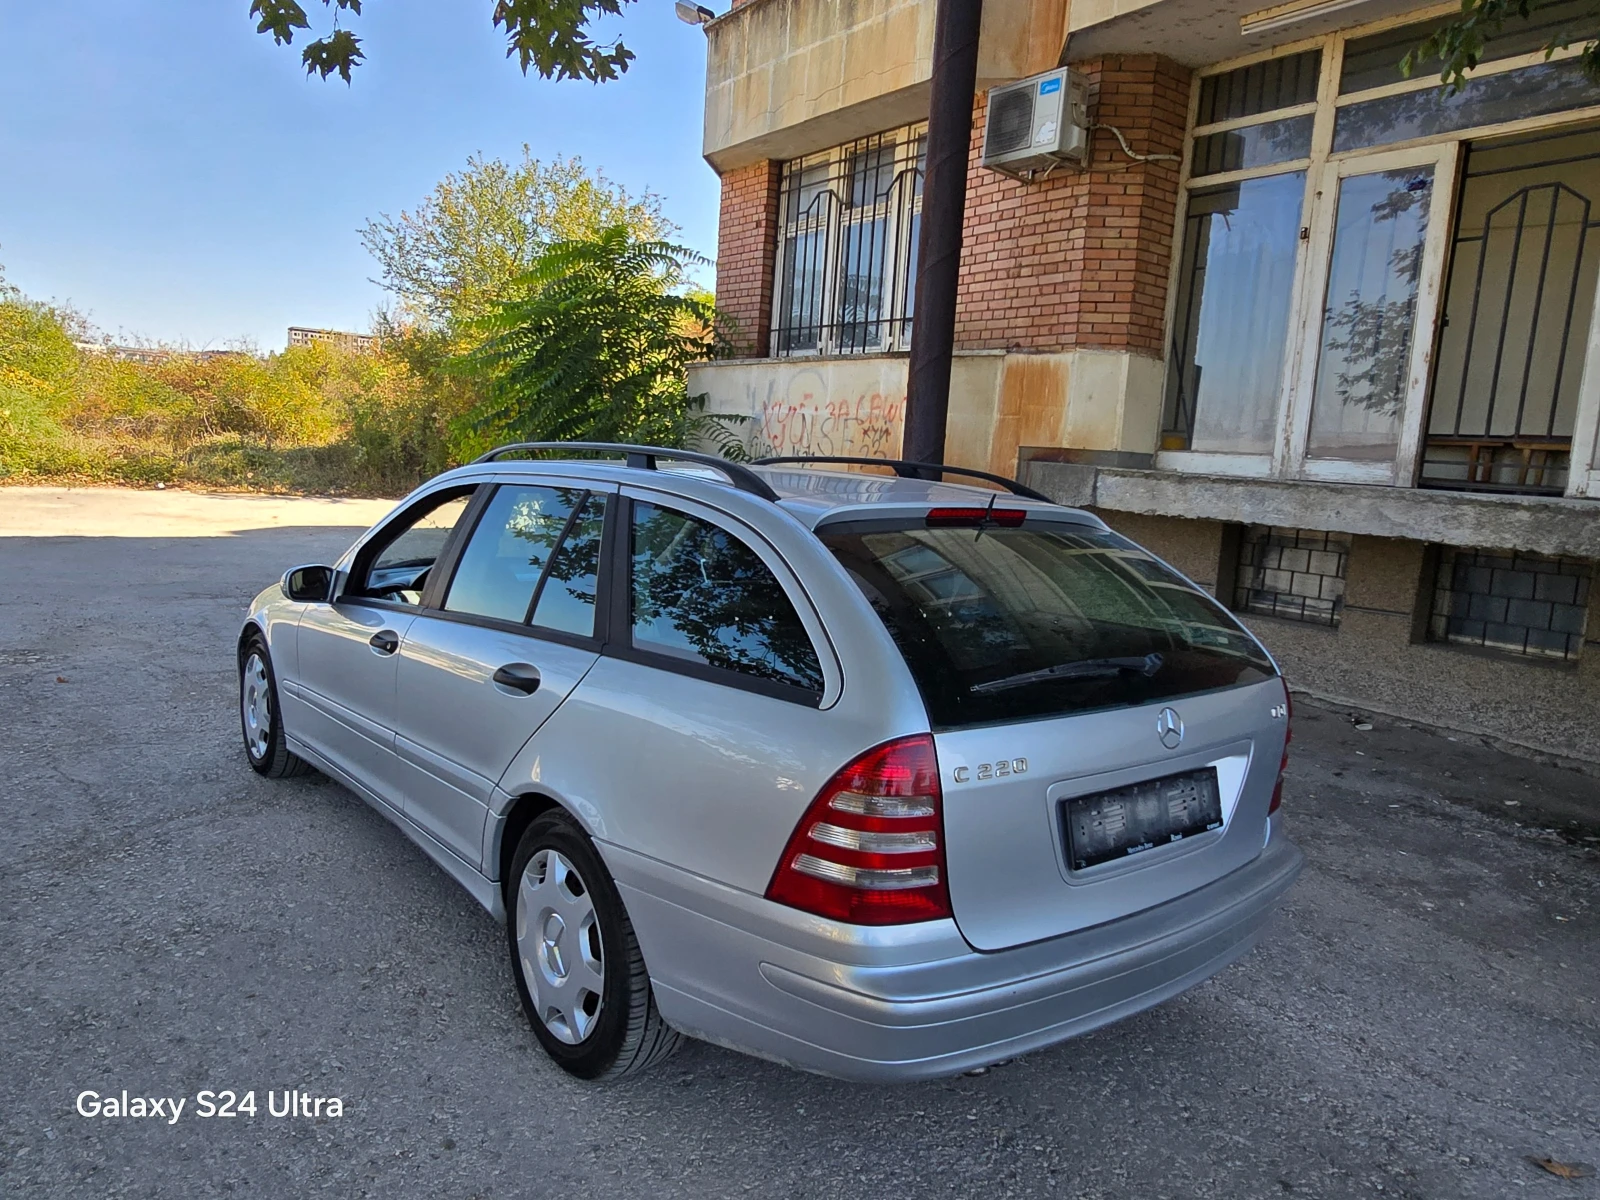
<point x="175" y="175"/>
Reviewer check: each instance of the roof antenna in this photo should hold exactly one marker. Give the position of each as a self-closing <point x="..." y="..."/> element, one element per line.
<point x="987" y="514"/>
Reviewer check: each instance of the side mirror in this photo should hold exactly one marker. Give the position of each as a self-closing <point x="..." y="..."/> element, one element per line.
<point x="308" y="585"/>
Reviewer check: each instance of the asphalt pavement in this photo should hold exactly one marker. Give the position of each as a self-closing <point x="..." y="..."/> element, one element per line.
<point x="1422" y="1017"/>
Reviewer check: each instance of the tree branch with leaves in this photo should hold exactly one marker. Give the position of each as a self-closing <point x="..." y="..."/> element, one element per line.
<point x="550" y="36"/>
<point x="597" y="346"/>
<point x="452" y="257"/>
<point x="1457" y="47"/>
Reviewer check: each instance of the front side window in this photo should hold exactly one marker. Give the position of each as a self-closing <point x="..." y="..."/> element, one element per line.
<point x="399" y="569"/>
<point x="1016" y="624"/>
<point x="700" y="595"/>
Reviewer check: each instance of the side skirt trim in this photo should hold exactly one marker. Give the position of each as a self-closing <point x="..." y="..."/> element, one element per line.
<point x="486" y="892"/>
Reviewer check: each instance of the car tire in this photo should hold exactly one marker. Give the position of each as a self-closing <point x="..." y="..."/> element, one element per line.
<point x="576" y="960"/>
<point x="264" y="743"/>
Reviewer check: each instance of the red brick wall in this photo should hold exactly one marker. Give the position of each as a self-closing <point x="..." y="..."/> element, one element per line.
<point x="1080" y="259"/>
<point x="747" y="246"/>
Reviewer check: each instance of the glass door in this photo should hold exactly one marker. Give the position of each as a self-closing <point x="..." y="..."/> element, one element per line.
<point x="1378" y="243"/>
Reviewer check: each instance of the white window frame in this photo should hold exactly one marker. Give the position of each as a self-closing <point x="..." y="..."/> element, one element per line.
<point x="1324" y="169"/>
<point x="1294" y="413"/>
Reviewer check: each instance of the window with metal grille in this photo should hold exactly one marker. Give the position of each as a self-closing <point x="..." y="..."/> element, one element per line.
<point x="1523" y="603"/>
<point x="1294" y="573"/>
<point x="847" y="250"/>
<point x="1519" y="299"/>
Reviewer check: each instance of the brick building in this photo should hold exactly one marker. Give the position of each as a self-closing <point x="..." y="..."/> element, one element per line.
<point x="1324" y="337"/>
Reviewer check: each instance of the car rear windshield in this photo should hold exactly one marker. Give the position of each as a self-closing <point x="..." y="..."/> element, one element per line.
<point x="1042" y="620"/>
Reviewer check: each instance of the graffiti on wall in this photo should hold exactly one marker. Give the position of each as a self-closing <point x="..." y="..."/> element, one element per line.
<point x="868" y="425"/>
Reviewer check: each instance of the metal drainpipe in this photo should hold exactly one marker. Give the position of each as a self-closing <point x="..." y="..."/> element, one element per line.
<point x="944" y="207"/>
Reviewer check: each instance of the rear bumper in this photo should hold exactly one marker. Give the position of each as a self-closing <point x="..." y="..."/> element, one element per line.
<point x="916" y="1001"/>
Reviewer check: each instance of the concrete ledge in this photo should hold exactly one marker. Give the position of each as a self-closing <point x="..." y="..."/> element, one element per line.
<point x="1541" y="524"/>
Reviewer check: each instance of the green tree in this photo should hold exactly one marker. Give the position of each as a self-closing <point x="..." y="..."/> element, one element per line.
<point x="1457" y="47"/>
<point x="449" y="260"/>
<point x="597" y="346"/>
<point x="551" y="36"/>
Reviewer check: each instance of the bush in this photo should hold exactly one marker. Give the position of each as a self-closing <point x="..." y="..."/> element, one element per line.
<point x="591" y="344"/>
<point x="313" y="418"/>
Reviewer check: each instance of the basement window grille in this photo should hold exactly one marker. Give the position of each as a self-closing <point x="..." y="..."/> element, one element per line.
<point x="1529" y="604"/>
<point x="1294" y="573"/>
<point x="848" y="223"/>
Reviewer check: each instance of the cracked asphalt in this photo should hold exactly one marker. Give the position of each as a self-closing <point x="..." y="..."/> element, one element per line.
<point x="1421" y="1017"/>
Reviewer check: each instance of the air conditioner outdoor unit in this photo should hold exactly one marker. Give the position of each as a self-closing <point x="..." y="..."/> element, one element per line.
<point x="1036" y="124"/>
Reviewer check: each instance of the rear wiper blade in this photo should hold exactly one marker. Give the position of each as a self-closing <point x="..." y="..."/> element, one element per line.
<point x="1089" y="668"/>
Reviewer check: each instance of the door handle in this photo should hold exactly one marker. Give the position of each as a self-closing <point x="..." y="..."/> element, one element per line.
<point x="518" y="677"/>
<point x="385" y="641"/>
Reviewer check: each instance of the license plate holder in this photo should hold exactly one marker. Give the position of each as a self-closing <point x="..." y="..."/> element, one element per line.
<point x="1104" y="826"/>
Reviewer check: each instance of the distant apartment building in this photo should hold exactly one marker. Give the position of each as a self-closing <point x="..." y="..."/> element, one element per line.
<point x="150" y="355"/>
<point x="1322" y="335"/>
<point x="360" y="343"/>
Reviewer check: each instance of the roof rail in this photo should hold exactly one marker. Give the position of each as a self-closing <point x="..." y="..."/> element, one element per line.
<point x="644" y="458"/>
<point x="911" y="470"/>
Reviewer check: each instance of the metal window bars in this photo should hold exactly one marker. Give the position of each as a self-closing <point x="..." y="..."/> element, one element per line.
<point x="848" y="222"/>
<point x="1294" y="573"/>
<point x="1505" y="390"/>
<point x="1529" y="604"/>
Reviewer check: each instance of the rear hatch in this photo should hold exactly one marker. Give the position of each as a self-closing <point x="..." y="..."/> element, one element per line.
<point x="1108" y="736"/>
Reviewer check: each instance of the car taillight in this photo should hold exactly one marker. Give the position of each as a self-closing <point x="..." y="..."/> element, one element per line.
<point x="1007" y="517"/>
<point x="1288" y="736"/>
<point x="869" y="849"/>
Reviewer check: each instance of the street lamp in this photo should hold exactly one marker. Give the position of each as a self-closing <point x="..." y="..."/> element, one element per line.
<point x="694" y="14"/>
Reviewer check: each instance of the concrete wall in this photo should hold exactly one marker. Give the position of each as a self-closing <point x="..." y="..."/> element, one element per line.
<point x="855" y="404"/>
<point x="852" y="406"/>
<point x="787" y="77"/>
<point x="1543" y="524"/>
<point x="1372" y="662"/>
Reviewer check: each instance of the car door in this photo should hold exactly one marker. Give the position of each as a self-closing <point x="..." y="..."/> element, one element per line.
<point x="513" y="633"/>
<point x="341" y="702"/>
<point x="704" y="728"/>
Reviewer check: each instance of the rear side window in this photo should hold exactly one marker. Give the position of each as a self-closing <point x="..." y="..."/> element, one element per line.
<point x="701" y="595"/>
<point x="566" y="596"/>
<point x="1045" y="620"/>
<point x="534" y="557"/>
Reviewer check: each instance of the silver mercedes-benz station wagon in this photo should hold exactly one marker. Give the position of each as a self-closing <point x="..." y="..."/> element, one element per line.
<point x="878" y="775"/>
